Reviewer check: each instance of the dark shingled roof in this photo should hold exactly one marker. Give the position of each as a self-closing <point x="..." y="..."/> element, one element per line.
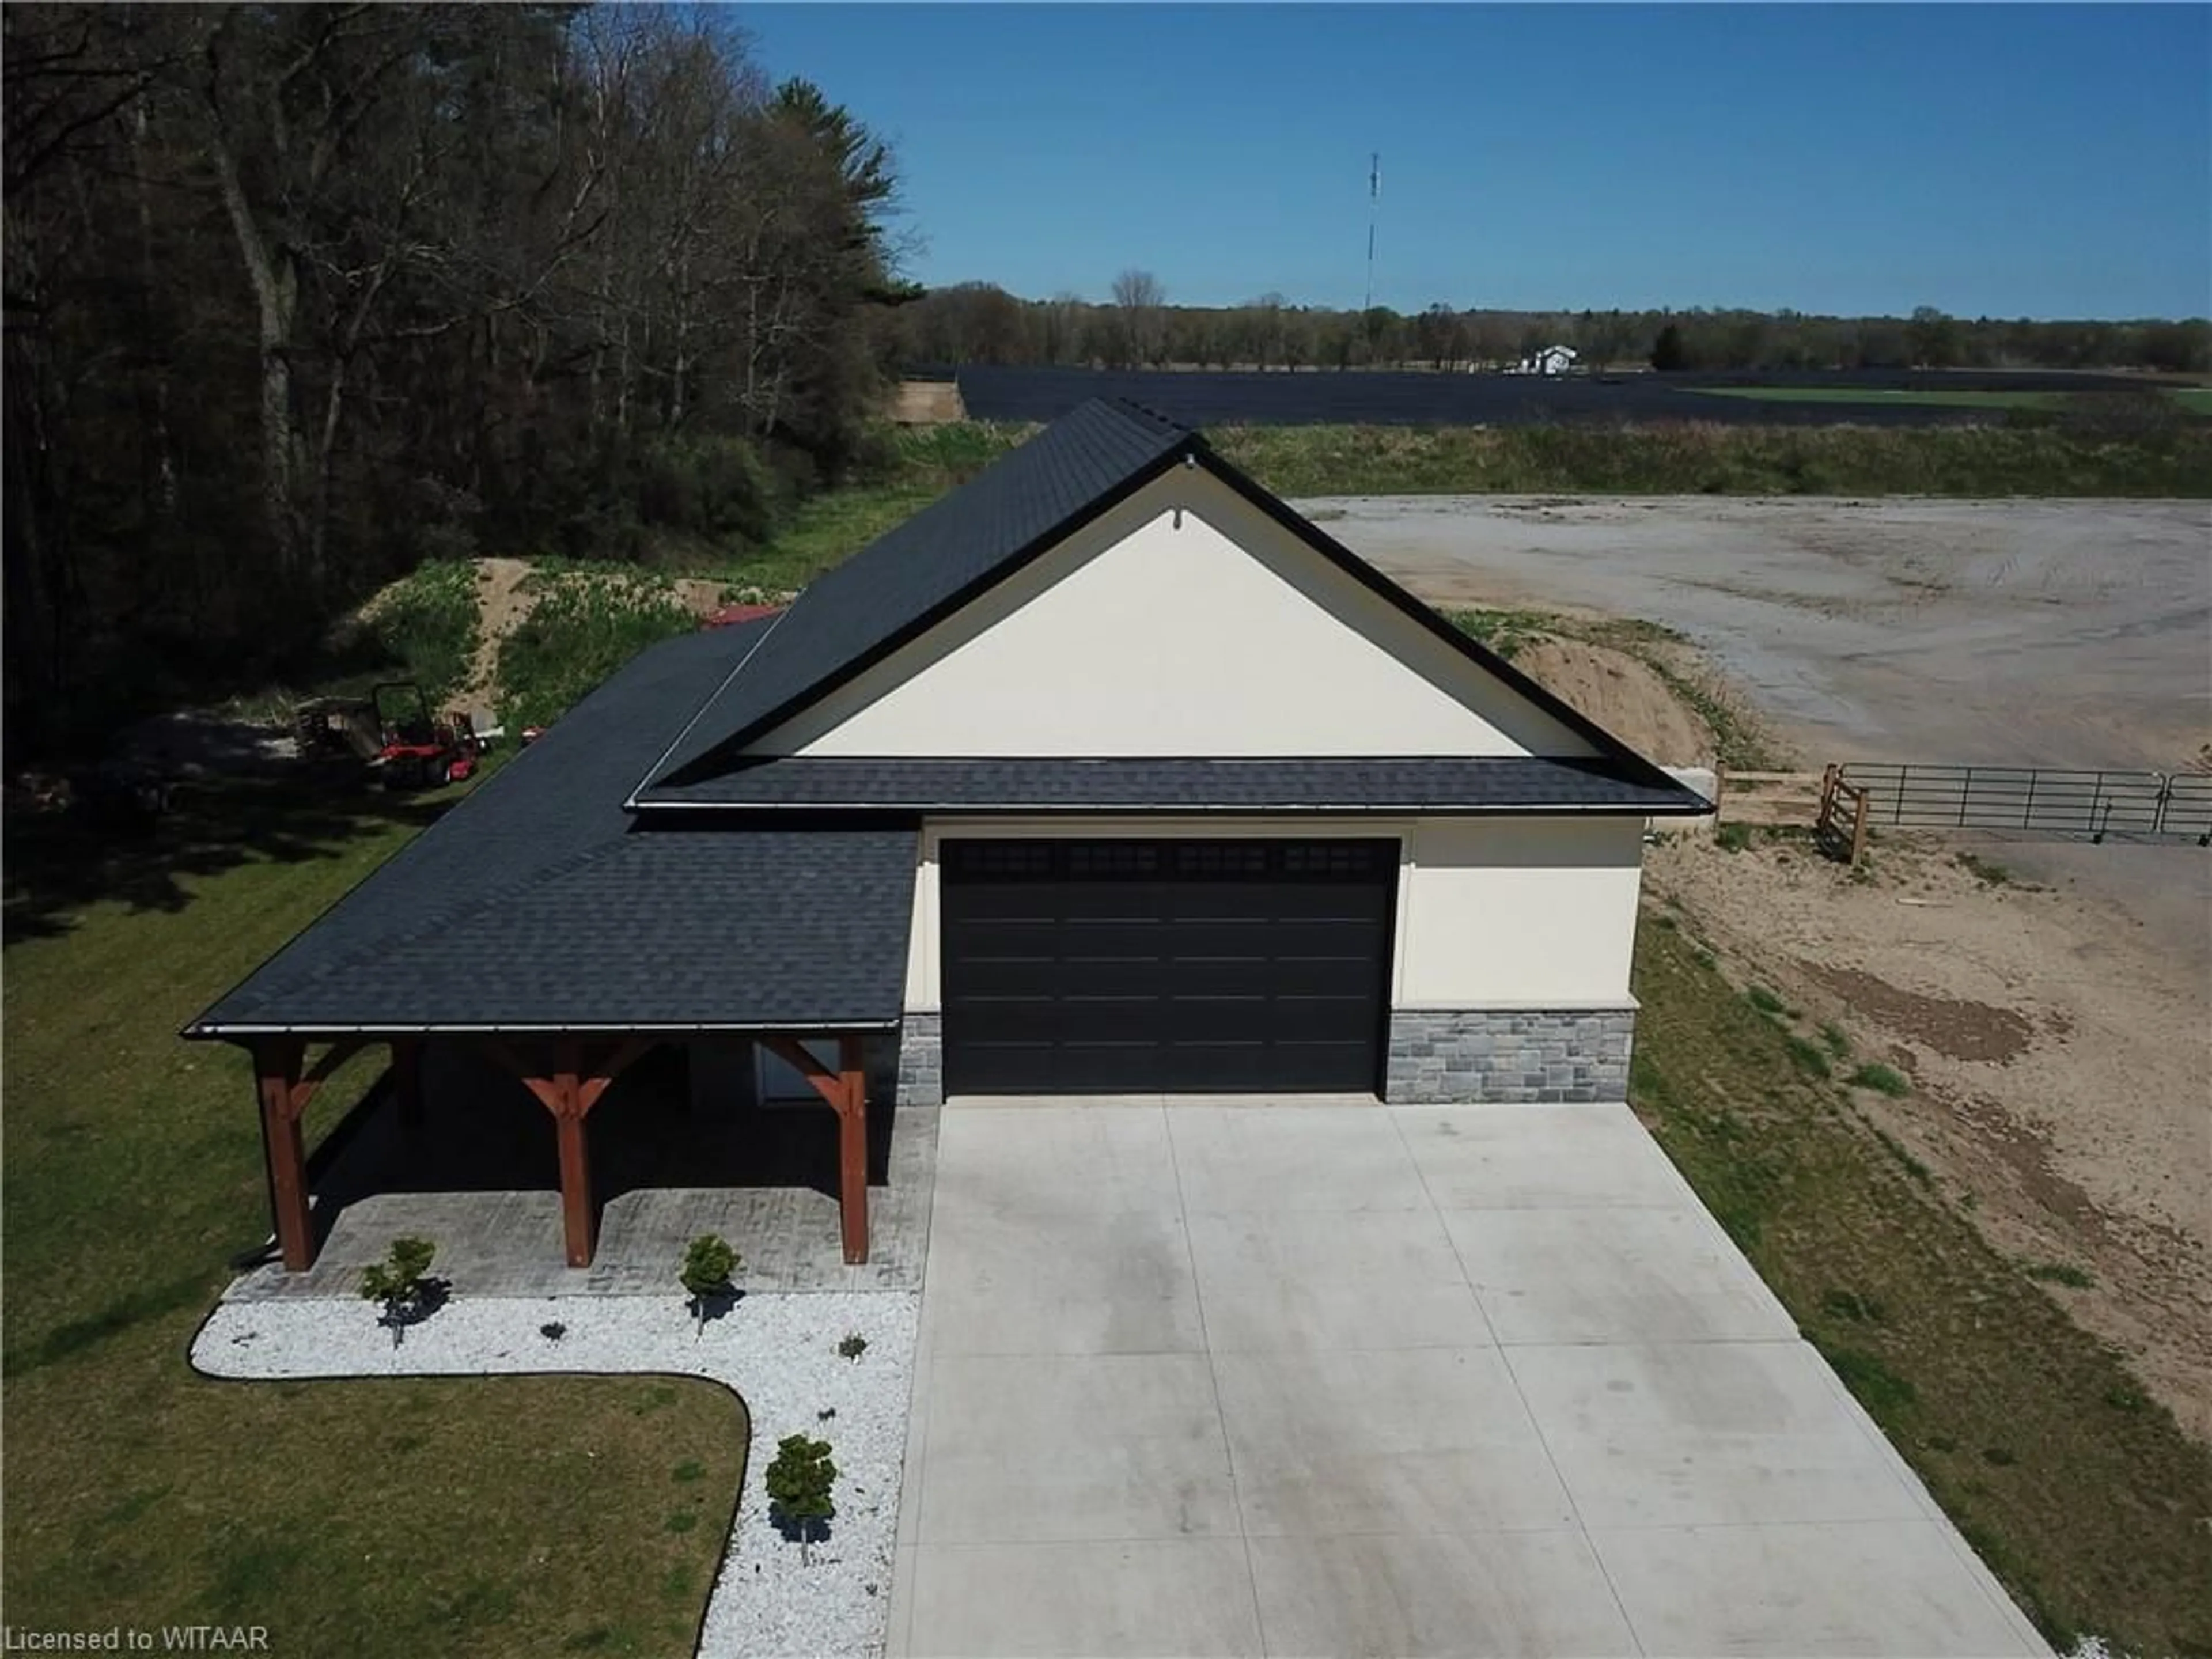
<point x="1444" y="784"/>
<point x="900" y="583"/>
<point x="534" y="900"/>
<point x="1027" y="502"/>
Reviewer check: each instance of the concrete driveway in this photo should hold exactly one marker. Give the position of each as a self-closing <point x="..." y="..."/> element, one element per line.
<point x="1346" y="1379"/>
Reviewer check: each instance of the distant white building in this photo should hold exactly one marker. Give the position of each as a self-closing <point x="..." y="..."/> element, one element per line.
<point x="1552" y="359"/>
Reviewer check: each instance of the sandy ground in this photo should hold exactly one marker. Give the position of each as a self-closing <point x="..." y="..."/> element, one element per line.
<point x="2059" y="1032"/>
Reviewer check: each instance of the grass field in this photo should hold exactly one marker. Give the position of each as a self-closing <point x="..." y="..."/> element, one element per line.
<point x="1929" y="400"/>
<point x="2080" y="1492"/>
<point x="400" y="1518"/>
<point x="1696" y="458"/>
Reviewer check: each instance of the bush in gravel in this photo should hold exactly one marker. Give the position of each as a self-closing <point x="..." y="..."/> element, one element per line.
<point x="854" y="1345"/>
<point x="708" y="1264"/>
<point x="403" y="1284"/>
<point x="798" y="1482"/>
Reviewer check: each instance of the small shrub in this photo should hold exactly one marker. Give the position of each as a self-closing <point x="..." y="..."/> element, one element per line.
<point x="1763" y="999"/>
<point x="1883" y="1079"/>
<point x="2060" y="1273"/>
<point x="708" y="1261"/>
<point x="853" y="1346"/>
<point x="552" y="1330"/>
<point x="2126" y="1397"/>
<point x="1987" y="872"/>
<point x="1664" y="922"/>
<point x="1705" y="958"/>
<point x="2000" y="1455"/>
<point x="402" y="1283"/>
<point x="799" y="1489"/>
<point x="1732" y="837"/>
<point x="1807" y="1057"/>
<point x="1838" y="1045"/>
<point x="689" y="1470"/>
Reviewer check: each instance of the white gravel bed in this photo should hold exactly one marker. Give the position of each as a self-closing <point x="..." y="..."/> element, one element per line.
<point x="778" y="1351"/>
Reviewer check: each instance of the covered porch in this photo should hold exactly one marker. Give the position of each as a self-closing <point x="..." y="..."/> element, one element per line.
<point x="584" y="1161"/>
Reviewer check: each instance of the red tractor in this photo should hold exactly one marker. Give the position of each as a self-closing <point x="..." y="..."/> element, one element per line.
<point x="392" y="730"/>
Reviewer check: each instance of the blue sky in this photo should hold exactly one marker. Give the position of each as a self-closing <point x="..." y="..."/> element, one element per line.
<point x="2006" y="161"/>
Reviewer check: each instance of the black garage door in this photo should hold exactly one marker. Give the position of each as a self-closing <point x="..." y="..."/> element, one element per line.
<point x="1108" y="967"/>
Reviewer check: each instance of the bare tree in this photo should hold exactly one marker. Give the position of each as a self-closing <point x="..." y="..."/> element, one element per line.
<point x="1140" y="298"/>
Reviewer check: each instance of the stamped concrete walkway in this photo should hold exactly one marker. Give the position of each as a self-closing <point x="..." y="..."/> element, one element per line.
<point x="1347" y="1379"/>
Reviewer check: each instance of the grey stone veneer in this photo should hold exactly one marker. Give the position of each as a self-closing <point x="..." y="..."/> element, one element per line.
<point x="921" y="1059"/>
<point x="1508" y="1054"/>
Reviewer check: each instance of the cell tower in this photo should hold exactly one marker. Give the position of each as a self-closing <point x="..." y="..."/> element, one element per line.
<point x="1374" y="198"/>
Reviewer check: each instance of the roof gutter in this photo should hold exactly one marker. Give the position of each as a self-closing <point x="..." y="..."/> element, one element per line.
<point x="204" y="1030"/>
<point x="1698" y="806"/>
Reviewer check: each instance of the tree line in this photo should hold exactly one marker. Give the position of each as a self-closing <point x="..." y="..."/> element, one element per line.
<point x="981" y="323"/>
<point x="296" y="296"/>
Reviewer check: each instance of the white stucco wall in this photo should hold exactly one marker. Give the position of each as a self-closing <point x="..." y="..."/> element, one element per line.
<point x="1491" y="913"/>
<point x="1534" y="911"/>
<point x="1183" y="623"/>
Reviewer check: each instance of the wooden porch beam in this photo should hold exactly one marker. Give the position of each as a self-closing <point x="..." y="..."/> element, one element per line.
<point x="846" y="1090"/>
<point x="612" y="1065"/>
<point x="562" y="1093"/>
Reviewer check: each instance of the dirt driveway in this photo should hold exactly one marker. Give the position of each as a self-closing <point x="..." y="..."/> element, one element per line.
<point x="2054" y="633"/>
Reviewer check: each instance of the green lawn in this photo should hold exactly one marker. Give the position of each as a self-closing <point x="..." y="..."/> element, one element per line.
<point x="2197" y="399"/>
<point x="390" y="1518"/>
<point x="2081" y="1492"/>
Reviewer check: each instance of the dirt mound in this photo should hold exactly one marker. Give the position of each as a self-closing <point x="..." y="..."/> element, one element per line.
<point x="1622" y="694"/>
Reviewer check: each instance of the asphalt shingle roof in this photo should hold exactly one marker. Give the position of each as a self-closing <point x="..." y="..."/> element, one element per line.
<point x="1025" y="501"/>
<point x="1444" y="784"/>
<point x="536" y="899"/>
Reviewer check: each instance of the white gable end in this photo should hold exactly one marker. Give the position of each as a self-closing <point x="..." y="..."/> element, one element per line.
<point x="1182" y="623"/>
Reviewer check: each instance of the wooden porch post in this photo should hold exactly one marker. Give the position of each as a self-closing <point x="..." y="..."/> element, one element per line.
<point x="853" y="1150"/>
<point x="846" y="1090"/>
<point x="569" y="1093"/>
<point x="285" y="1085"/>
<point x="277" y="1069"/>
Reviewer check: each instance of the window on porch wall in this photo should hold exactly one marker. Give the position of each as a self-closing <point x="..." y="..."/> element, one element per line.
<point x="780" y="1084"/>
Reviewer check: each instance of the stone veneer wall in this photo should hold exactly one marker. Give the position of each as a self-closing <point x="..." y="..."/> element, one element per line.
<point x="1477" y="1055"/>
<point x="921" y="1059"/>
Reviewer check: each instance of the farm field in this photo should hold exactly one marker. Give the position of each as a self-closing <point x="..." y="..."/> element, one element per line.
<point x="1317" y="396"/>
<point x="1880" y="397"/>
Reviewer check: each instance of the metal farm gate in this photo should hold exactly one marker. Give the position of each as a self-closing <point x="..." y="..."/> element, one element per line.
<point x="2143" y="806"/>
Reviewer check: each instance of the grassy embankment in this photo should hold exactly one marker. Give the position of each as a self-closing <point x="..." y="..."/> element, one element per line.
<point x="2081" y="1492"/>
<point x="466" y="1517"/>
<point x="1992" y="460"/>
